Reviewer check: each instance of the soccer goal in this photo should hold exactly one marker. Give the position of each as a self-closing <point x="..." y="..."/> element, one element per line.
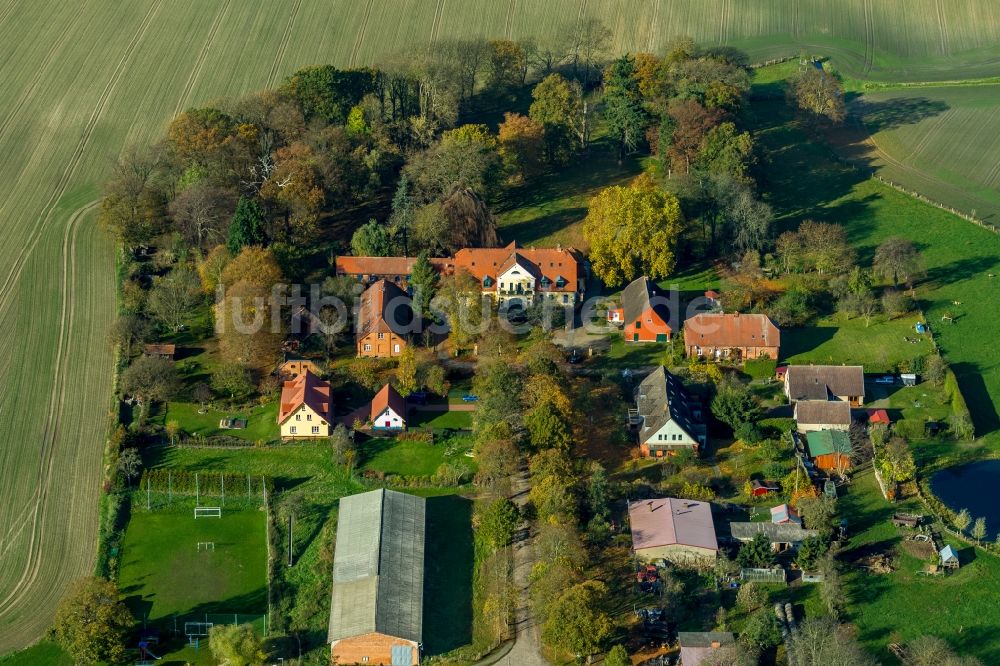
<point x="206" y="546"/>
<point x="208" y="512"/>
<point x="196" y="630"/>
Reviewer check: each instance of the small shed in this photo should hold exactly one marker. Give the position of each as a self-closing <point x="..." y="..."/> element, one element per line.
<point x="908" y="379"/>
<point x="784" y="514"/>
<point x="164" y="351"/>
<point x="762" y="487"/>
<point x="780" y="372"/>
<point x="920" y="327"/>
<point x="906" y="520"/>
<point x="879" y="416"/>
<point x="949" y="558"/>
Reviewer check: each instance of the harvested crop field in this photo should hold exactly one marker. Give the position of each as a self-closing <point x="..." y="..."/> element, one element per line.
<point x="84" y="80"/>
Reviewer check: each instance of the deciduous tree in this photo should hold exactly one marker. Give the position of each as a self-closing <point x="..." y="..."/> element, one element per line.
<point x="521" y="145"/>
<point x="236" y="645"/>
<point x="632" y="230"/>
<point x="623" y="111"/>
<point x="91" y="623"/>
<point x="498" y="522"/>
<point x="372" y="240"/>
<point x="174" y="296"/>
<point x="150" y="379"/>
<point x="576" y="622"/>
<point x="899" y="260"/>
<point x="819" y="93"/>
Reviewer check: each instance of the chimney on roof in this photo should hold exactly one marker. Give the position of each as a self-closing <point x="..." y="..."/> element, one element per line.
<point x="559" y="246"/>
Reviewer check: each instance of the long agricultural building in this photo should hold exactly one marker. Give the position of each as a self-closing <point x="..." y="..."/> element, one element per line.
<point x="376" y="612"/>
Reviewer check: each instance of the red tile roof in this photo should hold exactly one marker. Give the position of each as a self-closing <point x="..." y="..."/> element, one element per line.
<point x="388" y="397"/>
<point x="552" y="263"/>
<point x="165" y="349"/>
<point x="306" y="389"/>
<point x="384" y="308"/>
<point x="348" y="265"/>
<point x="878" y="416"/>
<point x="731" y="330"/>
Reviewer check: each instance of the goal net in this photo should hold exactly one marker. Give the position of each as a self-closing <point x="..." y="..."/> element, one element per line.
<point x="208" y="512"/>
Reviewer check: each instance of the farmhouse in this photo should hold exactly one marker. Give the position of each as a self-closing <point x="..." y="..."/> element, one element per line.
<point x="384" y="320"/>
<point x="520" y="277"/>
<point x="667" y="418"/>
<point x="164" y="351"/>
<point x="830" y="450"/>
<point x="677" y="530"/>
<point x="784" y="536"/>
<point x="697" y="646"/>
<point x="643" y="313"/>
<point x="826" y="382"/>
<point x="731" y="336"/>
<point x="388" y="410"/>
<point x="376" y="610"/>
<point x="813" y="415"/>
<point x="306" y="409"/>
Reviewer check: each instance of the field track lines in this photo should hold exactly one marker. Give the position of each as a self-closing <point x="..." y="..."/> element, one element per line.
<point x="932" y="128"/>
<point x="653" y="28"/>
<point x="942" y="26"/>
<point x="509" y="25"/>
<point x="37" y="78"/>
<point x="283" y="46"/>
<point x="182" y="100"/>
<point x="723" y="21"/>
<point x="5" y="12"/>
<point x="436" y="24"/>
<point x="869" y="36"/>
<point x="57" y="401"/>
<point x="361" y="33"/>
<point x="7" y="288"/>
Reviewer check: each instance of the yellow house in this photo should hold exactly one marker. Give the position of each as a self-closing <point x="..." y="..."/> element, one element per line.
<point x="306" y="410"/>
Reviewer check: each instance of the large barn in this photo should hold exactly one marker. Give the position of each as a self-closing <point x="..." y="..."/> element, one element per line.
<point x="376" y="613"/>
<point x="677" y="530"/>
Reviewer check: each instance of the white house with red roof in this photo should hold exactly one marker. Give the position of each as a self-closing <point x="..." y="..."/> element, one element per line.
<point x="306" y="409"/>
<point x="680" y="531"/>
<point x="388" y="410"/>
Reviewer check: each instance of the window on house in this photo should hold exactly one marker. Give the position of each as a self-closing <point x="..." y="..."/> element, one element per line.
<point x="638" y="325"/>
<point x="368" y="348"/>
<point x="395" y="348"/>
<point x="309" y="417"/>
<point x="381" y="336"/>
<point x="315" y="430"/>
<point x="565" y="298"/>
<point x="294" y="429"/>
<point x="298" y="417"/>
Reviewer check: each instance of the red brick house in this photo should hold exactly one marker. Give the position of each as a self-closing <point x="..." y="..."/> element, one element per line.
<point x="643" y="313"/>
<point x="732" y="336"/>
<point x="384" y="320"/>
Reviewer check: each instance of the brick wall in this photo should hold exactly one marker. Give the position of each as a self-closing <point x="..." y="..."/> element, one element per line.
<point x="372" y="648"/>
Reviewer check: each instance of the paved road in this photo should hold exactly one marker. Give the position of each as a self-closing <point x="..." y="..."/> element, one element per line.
<point x="526" y="650"/>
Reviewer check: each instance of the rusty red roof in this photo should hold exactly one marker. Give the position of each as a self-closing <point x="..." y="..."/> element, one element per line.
<point x="668" y="520"/>
<point x="306" y="389"/>
<point x="388" y="397"/>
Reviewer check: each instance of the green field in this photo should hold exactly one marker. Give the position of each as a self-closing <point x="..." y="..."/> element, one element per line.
<point x="68" y="108"/>
<point x="411" y="458"/>
<point x="942" y="142"/>
<point x="163" y="573"/>
<point x="879" y="347"/>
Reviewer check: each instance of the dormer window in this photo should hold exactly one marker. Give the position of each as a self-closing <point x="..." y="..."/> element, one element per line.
<point x="487" y="282"/>
<point x="545" y="283"/>
<point x="560" y="283"/>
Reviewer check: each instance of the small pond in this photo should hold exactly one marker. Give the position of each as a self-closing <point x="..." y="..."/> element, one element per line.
<point x="975" y="487"/>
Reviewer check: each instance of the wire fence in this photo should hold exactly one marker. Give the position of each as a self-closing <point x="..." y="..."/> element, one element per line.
<point x="160" y="488"/>
<point x="174" y="625"/>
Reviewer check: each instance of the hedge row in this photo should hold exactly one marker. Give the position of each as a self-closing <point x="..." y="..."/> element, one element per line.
<point x="958" y="405"/>
<point x="182" y="482"/>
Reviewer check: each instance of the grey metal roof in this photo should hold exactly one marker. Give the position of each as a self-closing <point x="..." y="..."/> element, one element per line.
<point x="661" y="397"/>
<point x="823" y="382"/>
<point x="822" y="412"/>
<point x="636" y="299"/>
<point x="783" y="533"/>
<point x="378" y="566"/>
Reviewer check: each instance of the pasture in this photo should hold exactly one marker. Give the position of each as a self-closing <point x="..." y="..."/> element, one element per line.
<point x="85" y="80"/>
<point x="940" y="141"/>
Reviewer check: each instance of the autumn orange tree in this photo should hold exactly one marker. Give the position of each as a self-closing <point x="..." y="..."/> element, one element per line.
<point x="632" y="230"/>
<point x="521" y="146"/>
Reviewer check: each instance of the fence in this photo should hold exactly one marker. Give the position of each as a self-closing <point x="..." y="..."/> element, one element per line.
<point x="162" y="487"/>
<point x="174" y="624"/>
<point x="776" y="575"/>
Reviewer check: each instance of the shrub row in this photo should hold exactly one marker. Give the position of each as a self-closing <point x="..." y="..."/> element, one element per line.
<point x="182" y="482"/>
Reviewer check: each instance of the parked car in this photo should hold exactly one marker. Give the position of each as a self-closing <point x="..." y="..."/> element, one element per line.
<point x="468" y="397"/>
<point x="885" y="379"/>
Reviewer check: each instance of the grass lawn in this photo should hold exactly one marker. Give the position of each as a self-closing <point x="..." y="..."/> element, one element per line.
<point x="623" y="354"/>
<point x="836" y="339"/>
<point x="163" y="573"/>
<point x="454" y="420"/>
<point x="40" y="654"/>
<point x="959" y="607"/>
<point x="262" y="422"/>
<point x="411" y="458"/>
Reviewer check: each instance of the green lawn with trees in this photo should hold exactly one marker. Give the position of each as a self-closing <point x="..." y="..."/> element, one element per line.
<point x="262" y="421"/>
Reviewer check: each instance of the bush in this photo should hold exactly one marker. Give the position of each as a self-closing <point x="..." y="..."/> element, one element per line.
<point x="751" y="597"/>
<point x="749" y="433"/>
<point x="910" y="429"/>
<point x="782" y="425"/>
